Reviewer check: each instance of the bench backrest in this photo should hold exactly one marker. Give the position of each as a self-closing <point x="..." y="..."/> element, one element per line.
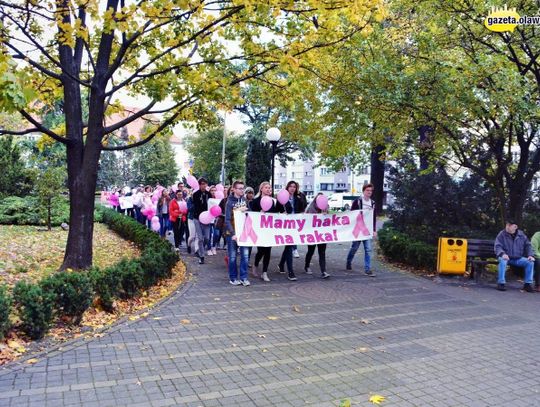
<point x="483" y="249"/>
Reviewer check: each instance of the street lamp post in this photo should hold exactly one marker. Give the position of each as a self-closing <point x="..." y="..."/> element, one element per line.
<point x="273" y="135"/>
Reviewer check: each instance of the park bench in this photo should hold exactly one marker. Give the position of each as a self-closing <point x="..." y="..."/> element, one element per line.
<point x="480" y="253"/>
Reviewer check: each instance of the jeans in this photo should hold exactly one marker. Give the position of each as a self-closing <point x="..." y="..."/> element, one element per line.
<point x="232" y="248"/>
<point x="287" y="257"/>
<point x="211" y="229"/>
<point x="368" y="245"/>
<point x="163" y="224"/>
<point x="202" y="235"/>
<point x="217" y="237"/>
<point x="521" y="262"/>
<point x="322" y="255"/>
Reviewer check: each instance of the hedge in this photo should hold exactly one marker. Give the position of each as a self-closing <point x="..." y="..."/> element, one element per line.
<point x="399" y="247"/>
<point x="70" y="293"/>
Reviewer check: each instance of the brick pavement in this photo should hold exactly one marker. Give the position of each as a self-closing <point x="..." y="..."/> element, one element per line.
<point x="413" y="341"/>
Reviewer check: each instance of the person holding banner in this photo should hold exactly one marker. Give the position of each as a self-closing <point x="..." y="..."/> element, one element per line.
<point x="295" y="204"/>
<point x="321" y="247"/>
<point x="269" y="205"/>
<point x="236" y="202"/>
<point x="364" y="203"/>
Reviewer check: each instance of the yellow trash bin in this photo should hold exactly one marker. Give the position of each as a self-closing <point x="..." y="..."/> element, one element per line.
<point x="452" y="255"/>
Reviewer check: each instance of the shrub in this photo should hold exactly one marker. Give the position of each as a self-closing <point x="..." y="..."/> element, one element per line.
<point x="5" y="309"/>
<point x="35" y="307"/>
<point x="399" y="247"/>
<point x="130" y="276"/>
<point x="106" y="285"/>
<point x="73" y="292"/>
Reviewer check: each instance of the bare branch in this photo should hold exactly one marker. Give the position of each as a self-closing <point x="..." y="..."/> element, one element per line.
<point x="42" y="128"/>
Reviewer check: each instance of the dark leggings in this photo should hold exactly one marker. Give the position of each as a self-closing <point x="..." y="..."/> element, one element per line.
<point x="264" y="254"/>
<point x="322" y="255"/>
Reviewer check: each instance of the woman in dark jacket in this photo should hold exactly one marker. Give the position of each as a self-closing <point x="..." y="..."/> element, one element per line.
<point x="295" y="204"/>
<point x="264" y="253"/>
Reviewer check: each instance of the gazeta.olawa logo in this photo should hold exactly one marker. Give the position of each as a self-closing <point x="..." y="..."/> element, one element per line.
<point x="502" y="19"/>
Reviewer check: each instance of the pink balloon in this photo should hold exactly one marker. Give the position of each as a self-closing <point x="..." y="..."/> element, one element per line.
<point x="205" y="218"/>
<point x="266" y="203"/>
<point x="283" y="196"/>
<point x="182" y="206"/>
<point x="219" y="187"/>
<point x="155" y="224"/>
<point x="150" y="212"/>
<point x="219" y="194"/>
<point x="192" y="182"/>
<point x="322" y="202"/>
<point x="215" y="211"/>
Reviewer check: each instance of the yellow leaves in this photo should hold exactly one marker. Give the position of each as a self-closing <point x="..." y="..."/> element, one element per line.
<point x="377" y="399"/>
<point x="345" y="403"/>
<point x="16" y="346"/>
<point x="32" y="361"/>
<point x="272" y="318"/>
<point x="185" y="322"/>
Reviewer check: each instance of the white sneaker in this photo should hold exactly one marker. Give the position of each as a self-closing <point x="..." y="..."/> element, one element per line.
<point x="265" y="277"/>
<point x="325" y="274"/>
<point x="245" y="282"/>
<point x="308" y="270"/>
<point x="295" y="253"/>
<point x="235" y="282"/>
<point x="214" y="252"/>
<point x="210" y="253"/>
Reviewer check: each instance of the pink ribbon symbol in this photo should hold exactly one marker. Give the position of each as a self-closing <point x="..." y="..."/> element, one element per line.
<point x="360" y="226"/>
<point x="248" y="231"/>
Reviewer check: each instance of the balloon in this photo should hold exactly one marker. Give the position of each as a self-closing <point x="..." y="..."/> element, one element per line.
<point x="149" y="213"/>
<point x="219" y="187"/>
<point x="205" y="218"/>
<point x="266" y="203"/>
<point x="192" y="182"/>
<point x="322" y="202"/>
<point x="155" y="224"/>
<point x="215" y="211"/>
<point x="182" y="205"/>
<point x="283" y="196"/>
<point x="219" y="194"/>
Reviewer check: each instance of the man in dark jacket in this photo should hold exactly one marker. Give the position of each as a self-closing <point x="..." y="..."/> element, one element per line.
<point x="512" y="247"/>
<point x="236" y="202"/>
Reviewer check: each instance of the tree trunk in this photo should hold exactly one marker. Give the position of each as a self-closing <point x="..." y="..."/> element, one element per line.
<point x="377" y="175"/>
<point x="49" y="204"/>
<point x="517" y="195"/>
<point x="425" y="146"/>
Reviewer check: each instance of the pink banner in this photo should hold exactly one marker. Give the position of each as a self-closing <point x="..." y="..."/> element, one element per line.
<point x="273" y="229"/>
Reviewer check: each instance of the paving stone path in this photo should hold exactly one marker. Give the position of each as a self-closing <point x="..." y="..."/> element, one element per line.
<point x="310" y="342"/>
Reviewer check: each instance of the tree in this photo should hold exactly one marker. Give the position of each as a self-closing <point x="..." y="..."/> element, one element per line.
<point x="154" y="163"/>
<point x="206" y="150"/>
<point x="169" y="51"/>
<point x="50" y="184"/>
<point x="258" y="156"/>
<point x="14" y="177"/>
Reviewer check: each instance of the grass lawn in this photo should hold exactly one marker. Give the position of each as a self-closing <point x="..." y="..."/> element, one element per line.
<point x="26" y="252"/>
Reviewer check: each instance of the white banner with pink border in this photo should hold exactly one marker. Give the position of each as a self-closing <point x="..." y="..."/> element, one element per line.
<point x="276" y="229"/>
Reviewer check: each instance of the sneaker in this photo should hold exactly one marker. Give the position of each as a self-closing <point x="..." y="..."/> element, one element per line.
<point x="308" y="270"/>
<point x="201" y="260"/>
<point x="209" y="253"/>
<point x="177" y="249"/>
<point x="348" y="267"/>
<point x="325" y="274"/>
<point x="369" y="273"/>
<point x="501" y="287"/>
<point x="245" y="282"/>
<point x="255" y="271"/>
<point x="214" y="251"/>
<point x="291" y="276"/>
<point x="281" y="269"/>
<point x="295" y="253"/>
<point x="528" y="287"/>
<point x="265" y="277"/>
<point x="235" y="282"/>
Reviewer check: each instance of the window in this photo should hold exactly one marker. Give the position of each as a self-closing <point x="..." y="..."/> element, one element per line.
<point x="324" y="171"/>
<point x="327" y="187"/>
<point x="293" y="175"/>
<point x="307" y="173"/>
<point x="340" y="186"/>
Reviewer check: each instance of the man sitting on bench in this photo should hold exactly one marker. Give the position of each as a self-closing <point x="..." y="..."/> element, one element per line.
<point x="512" y="247"/>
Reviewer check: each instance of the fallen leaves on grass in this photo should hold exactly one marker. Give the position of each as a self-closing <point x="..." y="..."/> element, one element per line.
<point x="29" y="254"/>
